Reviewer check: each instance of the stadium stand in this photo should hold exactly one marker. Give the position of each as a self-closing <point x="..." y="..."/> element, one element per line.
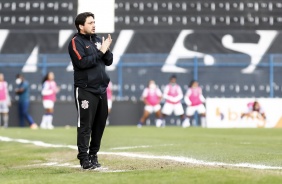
<point x="41" y="29"/>
<point x="33" y="23"/>
<point x="34" y="14"/>
<point x="201" y="14"/>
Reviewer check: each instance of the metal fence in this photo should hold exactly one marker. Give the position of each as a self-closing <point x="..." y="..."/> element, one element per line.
<point x="219" y="75"/>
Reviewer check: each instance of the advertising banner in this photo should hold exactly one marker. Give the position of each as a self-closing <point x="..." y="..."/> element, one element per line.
<point x="244" y="112"/>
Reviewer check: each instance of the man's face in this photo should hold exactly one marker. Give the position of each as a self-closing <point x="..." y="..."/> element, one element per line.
<point x="88" y="27"/>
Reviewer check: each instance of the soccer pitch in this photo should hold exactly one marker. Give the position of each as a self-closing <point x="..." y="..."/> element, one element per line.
<point x="144" y="155"/>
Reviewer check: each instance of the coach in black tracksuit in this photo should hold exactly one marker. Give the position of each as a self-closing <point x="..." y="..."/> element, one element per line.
<point x="89" y="55"/>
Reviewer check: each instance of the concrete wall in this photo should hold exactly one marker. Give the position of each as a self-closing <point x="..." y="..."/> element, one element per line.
<point x="123" y="113"/>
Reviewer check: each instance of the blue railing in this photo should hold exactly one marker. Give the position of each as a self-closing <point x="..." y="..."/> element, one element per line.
<point x="268" y="68"/>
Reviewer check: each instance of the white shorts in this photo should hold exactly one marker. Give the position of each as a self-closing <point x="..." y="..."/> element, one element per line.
<point x="48" y="104"/>
<point x="4" y="108"/>
<point x="110" y="104"/>
<point x="169" y="108"/>
<point x="191" y="110"/>
<point x="152" y="109"/>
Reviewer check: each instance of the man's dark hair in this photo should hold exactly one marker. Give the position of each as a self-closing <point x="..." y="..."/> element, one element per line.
<point x="81" y="18"/>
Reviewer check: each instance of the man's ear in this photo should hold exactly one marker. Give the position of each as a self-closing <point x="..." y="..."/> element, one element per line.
<point x="80" y="27"/>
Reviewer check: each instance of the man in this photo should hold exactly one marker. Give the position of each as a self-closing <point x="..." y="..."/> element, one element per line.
<point x="22" y="90"/>
<point x="173" y="95"/>
<point x="5" y="101"/>
<point x="89" y="55"/>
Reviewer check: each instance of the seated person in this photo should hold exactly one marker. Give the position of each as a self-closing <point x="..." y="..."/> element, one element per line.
<point x="254" y="110"/>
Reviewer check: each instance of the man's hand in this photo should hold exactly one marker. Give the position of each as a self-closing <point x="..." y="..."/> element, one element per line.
<point x="106" y="44"/>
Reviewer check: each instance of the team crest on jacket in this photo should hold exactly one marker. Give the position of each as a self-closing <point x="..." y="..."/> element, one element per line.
<point x="84" y="104"/>
<point x="98" y="45"/>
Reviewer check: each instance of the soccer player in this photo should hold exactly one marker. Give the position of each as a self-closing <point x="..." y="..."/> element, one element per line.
<point x="151" y="96"/>
<point x="5" y="101"/>
<point x="90" y="55"/>
<point x="173" y="95"/>
<point x="49" y="91"/>
<point x="254" y="109"/>
<point x="194" y="100"/>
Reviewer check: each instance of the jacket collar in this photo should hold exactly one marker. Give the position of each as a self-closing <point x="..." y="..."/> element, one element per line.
<point x="87" y="36"/>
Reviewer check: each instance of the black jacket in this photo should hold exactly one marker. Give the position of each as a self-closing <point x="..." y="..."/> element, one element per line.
<point x="89" y="63"/>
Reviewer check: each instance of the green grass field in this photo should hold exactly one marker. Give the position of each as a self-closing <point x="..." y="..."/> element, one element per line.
<point x="144" y="155"/>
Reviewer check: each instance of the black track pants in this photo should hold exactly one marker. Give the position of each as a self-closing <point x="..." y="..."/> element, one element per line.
<point x="92" y="115"/>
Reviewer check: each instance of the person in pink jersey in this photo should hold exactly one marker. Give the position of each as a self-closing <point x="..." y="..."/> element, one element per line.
<point x="173" y="95"/>
<point x="49" y="91"/>
<point x="194" y="100"/>
<point x="110" y="100"/>
<point x="151" y="96"/>
<point x="254" y="109"/>
<point x="5" y="101"/>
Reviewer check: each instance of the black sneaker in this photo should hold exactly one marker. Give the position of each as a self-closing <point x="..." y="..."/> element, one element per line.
<point x="87" y="165"/>
<point x="94" y="160"/>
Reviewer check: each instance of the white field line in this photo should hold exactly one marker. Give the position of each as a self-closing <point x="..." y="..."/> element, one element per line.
<point x="136" y="147"/>
<point x="100" y="169"/>
<point x="134" y="155"/>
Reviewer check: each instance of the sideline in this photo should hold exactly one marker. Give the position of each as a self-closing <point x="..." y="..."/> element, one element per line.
<point x="144" y="156"/>
<point x="100" y="169"/>
<point x="141" y="146"/>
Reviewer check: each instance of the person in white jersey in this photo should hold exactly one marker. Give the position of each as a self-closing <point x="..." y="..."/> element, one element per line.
<point x="194" y="100"/>
<point x="151" y="96"/>
<point x="5" y="101"/>
<point x="173" y="95"/>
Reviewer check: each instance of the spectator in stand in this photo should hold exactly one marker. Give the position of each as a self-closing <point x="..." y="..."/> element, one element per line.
<point x="194" y="100"/>
<point x="110" y="100"/>
<point x="5" y="101"/>
<point x="22" y="90"/>
<point x="173" y="95"/>
<point x="254" y="110"/>
<point x="49" y="91"/>
<point x="151" y="96"/>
